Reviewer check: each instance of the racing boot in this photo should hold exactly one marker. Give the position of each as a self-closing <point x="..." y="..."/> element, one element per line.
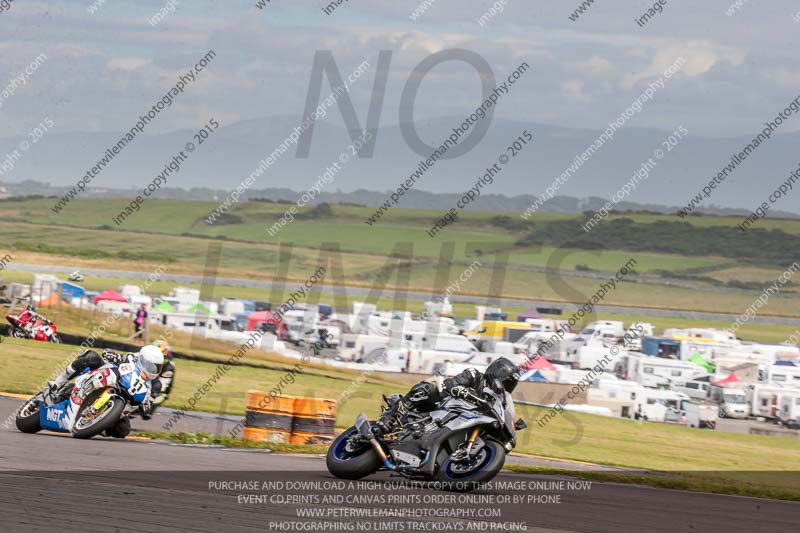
<point x="58" y="382"/>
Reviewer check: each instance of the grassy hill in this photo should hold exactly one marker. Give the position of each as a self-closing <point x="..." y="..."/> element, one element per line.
<point x="175" y="233"/>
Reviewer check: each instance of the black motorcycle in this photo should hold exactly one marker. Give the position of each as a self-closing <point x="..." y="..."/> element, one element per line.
<point x="462" y="443"/>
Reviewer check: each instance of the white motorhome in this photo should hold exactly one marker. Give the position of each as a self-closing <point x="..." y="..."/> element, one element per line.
<point x="708" y="334"/>
<point x="529" y="344"/>
<point x="632" y="339"/>
<point x="731" y="399"/>
<point x="450" y="343"/>
<point x="657" y="372"/>
<point x="417" y="361"/>
<point x="354" y="346"/>
<point x="615" y="327"/>
<point x="655" y="405"/>
<point x="183" y="298"/>
<point x="231" y="307"/>
<point x="609" y="386"/>
<point x="478" y="360"/>
<point x="765" y="399"/>
<point x="547" y="325"/>
<point x="786" y="375"/>
<point x="591" y="355"/>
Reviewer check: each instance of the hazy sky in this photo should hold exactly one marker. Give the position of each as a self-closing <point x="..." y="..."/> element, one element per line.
<point x="106" y="68"/>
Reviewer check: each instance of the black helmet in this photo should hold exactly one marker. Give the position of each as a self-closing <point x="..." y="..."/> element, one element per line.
<point x="31" y="308"/>
<point x="504" y="372"/>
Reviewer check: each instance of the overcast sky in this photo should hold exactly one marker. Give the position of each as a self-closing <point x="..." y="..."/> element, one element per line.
<point x="106" y="68"/>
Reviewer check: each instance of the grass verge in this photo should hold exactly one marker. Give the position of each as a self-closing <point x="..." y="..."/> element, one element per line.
<point x="231" y="442"/>
<point x="668" y="480"/>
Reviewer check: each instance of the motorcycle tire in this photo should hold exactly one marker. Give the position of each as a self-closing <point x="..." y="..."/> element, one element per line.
<point x="108" y="421"/>
<point x="349" y="465"/>
<point x="29" y="423"/>
<point x="18" y="334"/>
<point x="120" y="430"/>
<point x="493" y="459"/>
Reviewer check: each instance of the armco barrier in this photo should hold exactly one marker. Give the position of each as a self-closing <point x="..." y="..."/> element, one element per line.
<point x="288" y="419"/>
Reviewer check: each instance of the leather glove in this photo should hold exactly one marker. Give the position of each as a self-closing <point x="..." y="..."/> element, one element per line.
<point x="459" y="391"/>
<point x="147" y="409"/>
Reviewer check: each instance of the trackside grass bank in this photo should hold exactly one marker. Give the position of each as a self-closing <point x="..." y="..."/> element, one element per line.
<point x="716" y="456"/>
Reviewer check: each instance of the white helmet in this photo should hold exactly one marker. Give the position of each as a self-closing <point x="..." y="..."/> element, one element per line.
<point x="150" y="360"/>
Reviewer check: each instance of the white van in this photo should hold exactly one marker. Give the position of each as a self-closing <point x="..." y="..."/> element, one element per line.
<point x="732" y="401"/>
<point x="697" y="390"/>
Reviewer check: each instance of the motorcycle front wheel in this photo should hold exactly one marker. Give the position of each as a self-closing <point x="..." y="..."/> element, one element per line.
<point x="90" y="422"/>
<point x="346" y="461"/>
<point x="28" y="416"/>
<point x="468" y="475"/>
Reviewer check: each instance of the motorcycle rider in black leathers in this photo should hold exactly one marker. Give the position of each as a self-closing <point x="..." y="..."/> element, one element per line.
<point x="424" y="396"/>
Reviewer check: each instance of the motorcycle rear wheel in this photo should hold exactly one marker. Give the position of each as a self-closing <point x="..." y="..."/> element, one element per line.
<point x="459" y="477"/>
<point x="351" y="464"/>
<point x="27" y="419"/>
<point x="108" y="417"/>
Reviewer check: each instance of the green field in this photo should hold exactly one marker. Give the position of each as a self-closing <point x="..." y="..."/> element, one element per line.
<point x="24" y="365"/>
<point x="174" y="234"/>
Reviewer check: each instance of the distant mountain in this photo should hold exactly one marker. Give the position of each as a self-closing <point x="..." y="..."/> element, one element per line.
<point x="234" y="151"/>
<point x="363" y="197"/>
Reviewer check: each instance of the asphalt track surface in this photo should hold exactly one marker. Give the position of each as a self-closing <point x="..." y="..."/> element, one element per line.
<point x="52" y="482"/>
<point x="363" y="292"/>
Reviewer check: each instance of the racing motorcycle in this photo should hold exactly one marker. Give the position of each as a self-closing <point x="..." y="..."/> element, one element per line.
<point x="96" y="402"/>
<point x="36" y="328"/>
<point x="462" y="443"/>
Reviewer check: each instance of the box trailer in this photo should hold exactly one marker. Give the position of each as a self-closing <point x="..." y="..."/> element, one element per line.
<point x="700" y="414"/>
<point x="789" y="410"/>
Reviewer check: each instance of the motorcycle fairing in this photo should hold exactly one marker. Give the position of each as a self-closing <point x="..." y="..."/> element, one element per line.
<point x="432" y="441"/>
<point x="131" y="381"/>
<point x="58" y="417"/>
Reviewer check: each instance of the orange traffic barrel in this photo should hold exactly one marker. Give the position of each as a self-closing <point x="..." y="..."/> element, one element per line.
<point x="266" y="435"/>
<point x="313" y="421"/>
<point x="268" y="418"/>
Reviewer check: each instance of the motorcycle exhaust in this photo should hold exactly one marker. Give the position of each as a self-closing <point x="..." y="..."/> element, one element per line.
<point x="365" y="430"/>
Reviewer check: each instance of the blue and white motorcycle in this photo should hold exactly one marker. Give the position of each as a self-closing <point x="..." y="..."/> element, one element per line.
<point x="96" y="403"/>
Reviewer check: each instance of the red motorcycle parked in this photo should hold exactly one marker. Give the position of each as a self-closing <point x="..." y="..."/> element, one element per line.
<point x="31" y="325"/>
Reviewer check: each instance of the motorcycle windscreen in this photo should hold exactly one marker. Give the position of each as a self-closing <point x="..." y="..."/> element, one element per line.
<point x="363" y="426"/>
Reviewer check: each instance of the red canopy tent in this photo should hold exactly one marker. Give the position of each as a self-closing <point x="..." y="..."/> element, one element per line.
<point x="538" y="363"/>
<point x="732" y="378"/>
<point x="254" y="320"/>
<point x="109" y="296"/>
